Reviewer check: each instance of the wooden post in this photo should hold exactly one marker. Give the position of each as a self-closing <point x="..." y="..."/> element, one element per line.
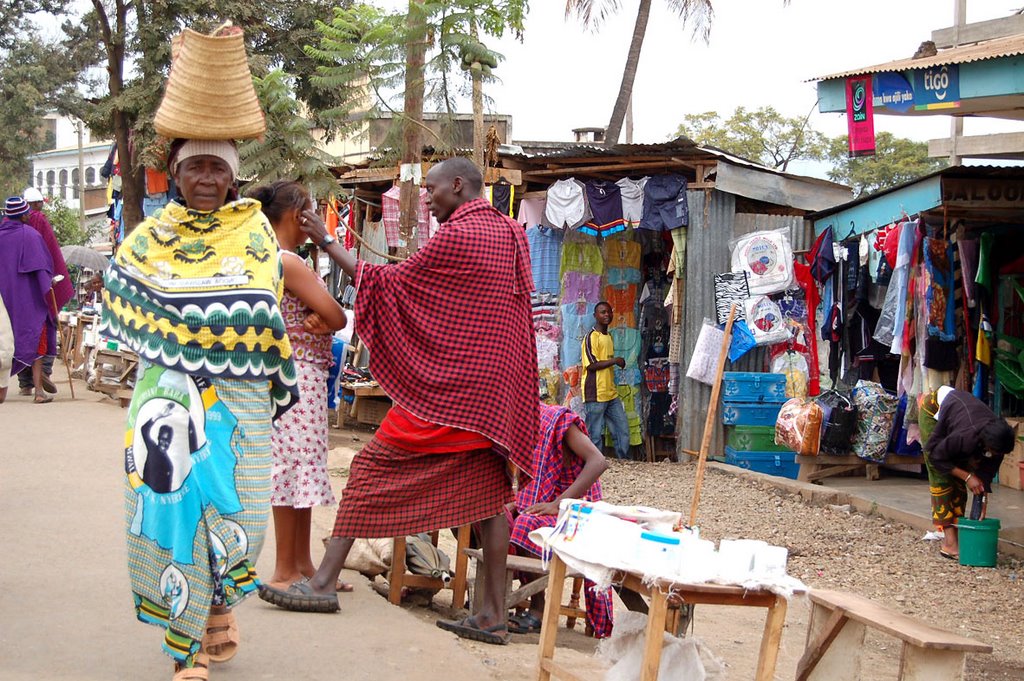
<point x="64" y="342"/>
<point x="770" y="640"/>
<point x="461" y="567"/>
<point x="549" y="626"/>
<point x="709" y="421"/>
<point x="654" y="635"/>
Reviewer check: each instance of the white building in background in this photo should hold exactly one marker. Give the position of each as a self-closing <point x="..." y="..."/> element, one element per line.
<point x="55" y="172"/>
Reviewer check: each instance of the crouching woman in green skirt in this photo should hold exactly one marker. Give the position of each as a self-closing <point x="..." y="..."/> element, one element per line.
<point x="964" y="443"/>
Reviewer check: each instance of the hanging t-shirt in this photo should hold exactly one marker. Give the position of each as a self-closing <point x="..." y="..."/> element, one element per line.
<point x="578" y="257"/>
<point x="623" y="302"/>
<point x="581" y="286"/>
<point x="545" y="257"/>
<point x="632" y="195"/>
<point x="577" y="320"/>
<point x="767" y="258"/>
<point x="622" y="253"/>
<point x="531" y="212"/>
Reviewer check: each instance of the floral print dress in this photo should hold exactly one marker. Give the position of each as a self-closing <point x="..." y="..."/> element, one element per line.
<point x="299" y="475"/>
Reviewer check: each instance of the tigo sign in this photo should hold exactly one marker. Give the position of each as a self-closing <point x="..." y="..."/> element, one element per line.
<point x="937" y="87"/>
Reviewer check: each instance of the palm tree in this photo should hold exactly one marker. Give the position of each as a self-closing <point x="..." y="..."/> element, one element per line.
<point x="592" y="14"/>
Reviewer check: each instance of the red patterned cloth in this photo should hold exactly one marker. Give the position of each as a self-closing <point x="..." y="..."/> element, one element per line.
<point x="407" y="431"/>
<point x="553" y="473"/>
<point x="392" y="491"/>
<point x="63" y="290"/>
<point x="450" y="331"/>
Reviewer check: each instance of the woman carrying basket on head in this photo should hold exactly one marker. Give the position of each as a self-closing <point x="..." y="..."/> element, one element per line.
<point x="195" y="292"/>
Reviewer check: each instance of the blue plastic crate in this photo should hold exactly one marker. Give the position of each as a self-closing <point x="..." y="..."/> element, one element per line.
<point x="749" y="386"/>
<point x="750" y="413"/>
<point x="781" y="464"/>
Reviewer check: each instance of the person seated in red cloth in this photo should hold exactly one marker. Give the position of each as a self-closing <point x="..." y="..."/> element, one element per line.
<point x="566" y="465"/>
<point x="451" y="341"/>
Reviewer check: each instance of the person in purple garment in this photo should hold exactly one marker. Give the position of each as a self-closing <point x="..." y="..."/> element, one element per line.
<point x="63" y="290"/>
<point x="26" y="277"/>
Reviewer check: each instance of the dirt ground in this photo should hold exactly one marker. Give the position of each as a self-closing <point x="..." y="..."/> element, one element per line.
<point x="829" y="548"/>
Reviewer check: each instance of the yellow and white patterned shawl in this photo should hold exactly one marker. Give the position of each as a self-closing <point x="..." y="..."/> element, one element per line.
<point x="198" y="292"/>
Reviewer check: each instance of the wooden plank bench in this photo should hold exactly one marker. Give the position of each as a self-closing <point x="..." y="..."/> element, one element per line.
<point x="835" y="639"/>
<point x="532" y="566"/>
<point x="814" y="468"/>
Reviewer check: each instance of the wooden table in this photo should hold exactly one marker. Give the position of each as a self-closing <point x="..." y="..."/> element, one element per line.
<point x="661" y="594"/>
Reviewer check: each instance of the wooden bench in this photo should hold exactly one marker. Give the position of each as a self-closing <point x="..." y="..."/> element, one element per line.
<point x="814" y="468"/>
<point x="399" y="577"/>
<point x="532" y="566"/>
<point x="835" y="640"/>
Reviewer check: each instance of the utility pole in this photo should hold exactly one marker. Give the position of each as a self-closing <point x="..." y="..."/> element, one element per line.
<point x="957" y="124"/>
<point x="79" y="126"/>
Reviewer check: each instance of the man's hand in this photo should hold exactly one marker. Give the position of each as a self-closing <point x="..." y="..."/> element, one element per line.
<point x="975" y="484"/>
<point x="547" y="508"/>
<point x="313" y="324"/>
<point x="620" y="362"/>
<point x="313" y="226"/>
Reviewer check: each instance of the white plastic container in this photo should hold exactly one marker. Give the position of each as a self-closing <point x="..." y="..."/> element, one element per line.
<point x="770" y="561"/>
<point x="736" y="558"/>
<point x="698" y="560"/>
<point x="657" y="553"/>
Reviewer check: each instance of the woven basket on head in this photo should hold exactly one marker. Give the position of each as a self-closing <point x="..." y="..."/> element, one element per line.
<point x="209" y="93"/>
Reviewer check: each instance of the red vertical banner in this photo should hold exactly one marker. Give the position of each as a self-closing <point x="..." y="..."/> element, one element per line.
<point x="860" y="116"/>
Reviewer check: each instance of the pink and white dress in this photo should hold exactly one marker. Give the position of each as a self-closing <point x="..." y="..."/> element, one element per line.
<point x="299" y="474"/>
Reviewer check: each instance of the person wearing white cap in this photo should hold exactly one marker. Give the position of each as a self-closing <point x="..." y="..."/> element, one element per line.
<point x="63" y="290"/>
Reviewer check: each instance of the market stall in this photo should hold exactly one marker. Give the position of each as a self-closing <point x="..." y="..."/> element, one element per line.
<point x="926" y="290"/>
<point x="645" y="227"/>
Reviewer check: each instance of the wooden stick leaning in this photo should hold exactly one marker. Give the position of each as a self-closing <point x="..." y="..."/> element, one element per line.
<point x="64" y="345"/>
<point x="709" y="422"/>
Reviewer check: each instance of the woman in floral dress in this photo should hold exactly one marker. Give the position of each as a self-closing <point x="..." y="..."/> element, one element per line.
<point x="299" y="477"/>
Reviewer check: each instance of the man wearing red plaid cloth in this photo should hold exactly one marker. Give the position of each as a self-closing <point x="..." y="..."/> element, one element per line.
<point x="451" y="342"/>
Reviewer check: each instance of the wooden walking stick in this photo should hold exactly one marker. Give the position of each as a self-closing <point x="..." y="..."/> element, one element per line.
<point x="60" y="332"/>
<point x="709" y="421"/>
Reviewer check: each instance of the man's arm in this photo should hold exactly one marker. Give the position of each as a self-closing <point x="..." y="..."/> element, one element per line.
<point x="594" y="464"/>
<point x="316" y="230"/>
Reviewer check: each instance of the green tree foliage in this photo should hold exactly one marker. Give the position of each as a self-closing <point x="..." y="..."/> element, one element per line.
<point x="361" y="57"/>
<point x="896" y="160"/>
<point x="66" y="227"/>
<point x="35" y="77"/>
<point x="288" y="150"/>
<point x="762" y="135"/>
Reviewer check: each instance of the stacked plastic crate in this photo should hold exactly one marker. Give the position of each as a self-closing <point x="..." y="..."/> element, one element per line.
<point x="750" y="404"/>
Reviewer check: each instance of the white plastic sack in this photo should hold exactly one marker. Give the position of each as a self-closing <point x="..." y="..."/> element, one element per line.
<point x="704" y="361"/>
<point x="765" y="321"/>
<point x="767" y="258"/>
<point x="682" y="659"/>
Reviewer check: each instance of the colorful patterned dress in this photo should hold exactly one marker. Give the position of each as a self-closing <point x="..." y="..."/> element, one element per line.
<point x="299" y="476"/>
<point x="552" y="475"/>
<point x="195" y="295"/>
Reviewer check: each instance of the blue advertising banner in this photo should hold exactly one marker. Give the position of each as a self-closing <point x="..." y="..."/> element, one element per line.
<point x="937" y="88"/>
<point x="892" y="91"/>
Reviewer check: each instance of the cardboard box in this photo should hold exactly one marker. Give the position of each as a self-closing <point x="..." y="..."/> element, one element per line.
<point x="372" y="410"/>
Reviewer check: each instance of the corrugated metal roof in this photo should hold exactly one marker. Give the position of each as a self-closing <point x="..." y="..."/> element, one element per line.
<point x="1009" y="46"/>
<point x="953" y="171"/>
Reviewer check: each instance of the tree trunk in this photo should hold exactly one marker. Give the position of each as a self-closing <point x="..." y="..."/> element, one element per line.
<point x="643" y="14"/>
<point x="478" y="112"/>
<point x="412" y="142"/>
<point x="114" y="38"/>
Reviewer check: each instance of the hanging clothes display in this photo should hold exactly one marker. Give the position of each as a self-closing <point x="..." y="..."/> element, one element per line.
<point x="605" y="201"/>
<point x="566" y="205"/>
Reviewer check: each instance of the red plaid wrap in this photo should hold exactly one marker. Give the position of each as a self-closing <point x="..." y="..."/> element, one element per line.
<point x="392" y="492"/>
<point x="551" y="477"/>
<point x="450" y="331"/>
